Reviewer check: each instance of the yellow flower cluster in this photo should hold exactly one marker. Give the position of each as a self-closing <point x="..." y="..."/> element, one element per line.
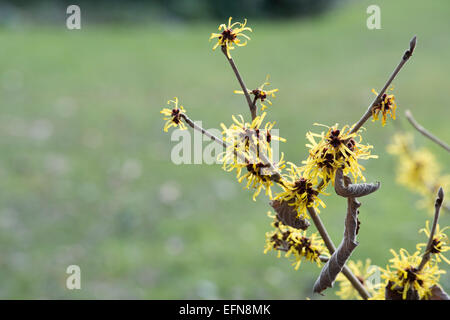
<point x="328" y="151"/>
<point x="230" y="34"/>
<point x="440" y="243"/>
<point x="249" y="148"/>
<point x="417" y="169"/>
<point x="337" y="148"/>
<point x="295" y="243"/>
<point x="299" y="192"/>
<point x="403" y="277"/>
<point x="386" y="107"/>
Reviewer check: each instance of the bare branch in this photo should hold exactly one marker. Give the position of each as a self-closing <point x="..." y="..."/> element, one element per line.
<point x="193" y="125"/>
<point x="425" y="132"/>
<point x="321" y="228"/>
<point x="408" y="53"/>
<point x="251" y="105"/>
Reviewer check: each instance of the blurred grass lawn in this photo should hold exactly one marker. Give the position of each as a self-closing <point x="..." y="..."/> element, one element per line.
<point x="85" y="171"/>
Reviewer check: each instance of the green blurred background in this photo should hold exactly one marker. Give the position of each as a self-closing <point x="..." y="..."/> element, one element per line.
<point x="85" y="170"/>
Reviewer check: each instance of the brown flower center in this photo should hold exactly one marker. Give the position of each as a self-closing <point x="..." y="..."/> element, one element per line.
<point x="334" y="139"/>
<point x="268" y="136"/>
<point x="411" y="275"/>
<point x="228" y="35"/>
<point x="259" y="94"/>
<point x="303" y="186"/>
<point x="176" y="116"/>
<point x="435" y="246"/>
<point x="387" y="101"/>
<point x="255" y="169"/>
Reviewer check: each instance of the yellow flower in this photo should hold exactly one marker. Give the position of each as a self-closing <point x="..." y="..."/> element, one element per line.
<point x="173" y="116"/>
<point x="295" y="243"/>
<point x="261" y="94"/>
<point x="379" y="293"/>
<point x="259" y="176"/>
<point x="299" y="192"/>
<point x="249" y="149"/>
<point x="386" y="106"/>
<point x="362" y="273"/>
<point x="230" y="34"/>
<point x="336" y="148"/>
<point x="246" y="139"/>
<point x="440" y="242"/>
<point x="402" y="144"/>
<point x="406" y="277"/>
<point x="416" y="169"/>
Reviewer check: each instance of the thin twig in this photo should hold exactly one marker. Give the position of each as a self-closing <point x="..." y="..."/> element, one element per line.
<point x="321" y="228"/>
<point x="251" y="105"/>
<point x="254" y="103"/>
<point x="437" y="207"/>
<point x="425" y="132"/>
<point x="331" y="248"/>
<point x="408" y="53"/>
<point x="193" y="125"/>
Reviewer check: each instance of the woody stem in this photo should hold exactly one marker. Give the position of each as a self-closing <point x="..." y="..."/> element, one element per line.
<point x="254" y="103"/>
<point x="251" y="105"/>
<point x="437" y="207"/>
